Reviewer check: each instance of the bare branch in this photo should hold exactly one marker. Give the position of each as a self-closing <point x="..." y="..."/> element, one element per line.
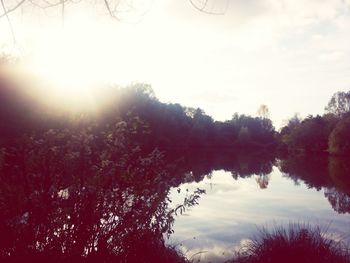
<point x="111" y="6"/>
<point x="62" y="11"/>
<point x="47" y="4"/>
<point x="111" y="13"/>
<point x="202" y="7"/>
<point x="7" y="11"/>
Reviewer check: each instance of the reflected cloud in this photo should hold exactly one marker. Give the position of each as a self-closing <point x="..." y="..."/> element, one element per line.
<point x="233" y="209"/>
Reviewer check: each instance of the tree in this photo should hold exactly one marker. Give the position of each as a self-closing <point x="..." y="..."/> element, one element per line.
<point x="243" y="135"/>
<point x="263" y="111"/>
<point x="289" y="127"/>
<point x="311" y="135"/>
<point x="339" y="139"/>
<point x="340" y="201"/>
<point x="339" y="104"/>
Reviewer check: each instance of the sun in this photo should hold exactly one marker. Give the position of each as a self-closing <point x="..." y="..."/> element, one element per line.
<point x="66" y="73"/>
<point x="89" y="53"/>
<point x="67" y="61"/>
<point x="73" y="62"/>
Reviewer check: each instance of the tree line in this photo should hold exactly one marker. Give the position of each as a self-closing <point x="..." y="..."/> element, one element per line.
<point x="326" y="134"/>
<point x="164" y="125"/>
<point x="173" y="126"/>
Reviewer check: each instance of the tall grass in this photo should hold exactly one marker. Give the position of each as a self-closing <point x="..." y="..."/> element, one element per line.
<point x="296" y="243"/>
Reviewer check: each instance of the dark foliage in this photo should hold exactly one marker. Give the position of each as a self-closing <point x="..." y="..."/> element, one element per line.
<point x="327" y="134"/>
<point x="71" y="195"/>
<point x="322" y="172"/>
<point x="169" y="125"/>
<point x="339" y="139"/>
<point x="296" y="243"/>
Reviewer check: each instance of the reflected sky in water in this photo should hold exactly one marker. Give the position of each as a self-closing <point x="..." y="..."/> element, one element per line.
<point x="232" y="210"/>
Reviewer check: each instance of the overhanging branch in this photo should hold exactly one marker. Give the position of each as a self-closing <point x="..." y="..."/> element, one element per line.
<point x="203" y="5"/>
<point x="7" y="11"/>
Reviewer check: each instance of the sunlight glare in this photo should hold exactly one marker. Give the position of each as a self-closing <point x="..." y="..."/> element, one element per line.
<point x="76" y="61"/>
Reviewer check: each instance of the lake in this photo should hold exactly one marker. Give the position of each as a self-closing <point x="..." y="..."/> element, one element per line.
<point x="203" y="205"/>
<point x="233" y="210"/>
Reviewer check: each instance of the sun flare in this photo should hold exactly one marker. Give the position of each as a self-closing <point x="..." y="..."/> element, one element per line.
<point x="76" y="61"/>
<point x="68" y="62"/>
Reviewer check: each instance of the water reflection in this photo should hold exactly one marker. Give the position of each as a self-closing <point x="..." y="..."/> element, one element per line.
<point x="298" y="189"/>
<point x="202" y="201"/>
<point x="332" y="174"/>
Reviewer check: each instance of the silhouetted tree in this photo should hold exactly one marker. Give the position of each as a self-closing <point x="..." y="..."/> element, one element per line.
<point x="339" y="139"/>
<point x="339" y="200"/>
<point x="339" y="104"/>
<point x="320" y="134"/>
<point x="243" y="135"/>
<point x="263" y="111"/>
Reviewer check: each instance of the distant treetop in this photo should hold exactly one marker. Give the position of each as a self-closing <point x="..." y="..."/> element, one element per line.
<point x="339" y="104"/>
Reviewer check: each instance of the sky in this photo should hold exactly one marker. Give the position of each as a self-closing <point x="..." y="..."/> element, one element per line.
<point x="291" y="55"/>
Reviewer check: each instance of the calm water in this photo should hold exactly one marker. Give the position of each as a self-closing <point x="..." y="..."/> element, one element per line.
<point x="232" y="210"/>
<point x="206" y="204"/>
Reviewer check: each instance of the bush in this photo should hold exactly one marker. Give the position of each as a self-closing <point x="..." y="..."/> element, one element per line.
<point x="296" y="243"/>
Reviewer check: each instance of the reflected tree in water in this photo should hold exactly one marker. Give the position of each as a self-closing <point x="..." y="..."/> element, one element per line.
<point x="263" y="181"/>
<point x="340" y="201"/>
<point x="339" y="195"/>
<point x="331" y="174"/>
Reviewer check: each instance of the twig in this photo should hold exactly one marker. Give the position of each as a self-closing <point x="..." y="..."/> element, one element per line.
<point x="7" y="11"/>
<point x="203" y="7"/>
<point x="62" y="12"/>
<point x="9" y="21"/>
